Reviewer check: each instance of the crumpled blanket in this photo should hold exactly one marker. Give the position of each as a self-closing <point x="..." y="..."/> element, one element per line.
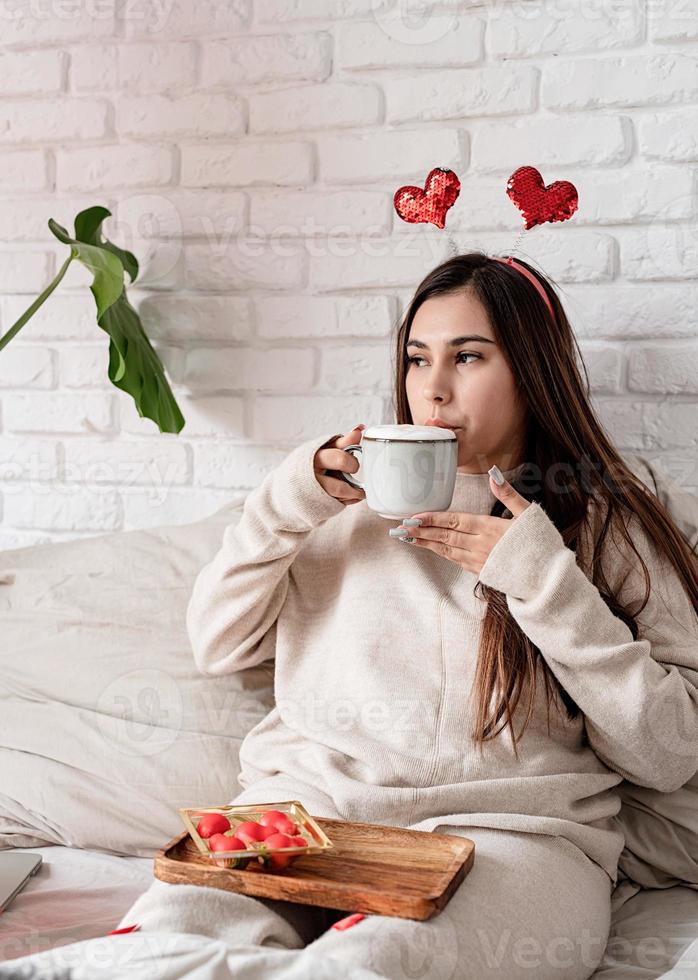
<point x="195" y="932"/>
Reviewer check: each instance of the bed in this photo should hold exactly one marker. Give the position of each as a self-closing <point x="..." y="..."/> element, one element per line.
<point x="82" y="894"/>
<point x="98" y="688"/>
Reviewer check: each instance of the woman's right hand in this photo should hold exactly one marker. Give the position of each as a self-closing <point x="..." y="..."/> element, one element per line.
<point x="333" y="457"/>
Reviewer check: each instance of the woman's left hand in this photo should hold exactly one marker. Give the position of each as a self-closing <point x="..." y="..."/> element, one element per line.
<point x="467" y="539"/>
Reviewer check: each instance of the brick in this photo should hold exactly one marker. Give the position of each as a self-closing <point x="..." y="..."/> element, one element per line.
<point x="196" y="115"/>
<point x="210" y="415"/>
<point x="64" y="507"/>
<point x="357" y="368"/>
<point x="23" y="170"/>
<point x="671" y="136"/>
<point x="64" y="316"/>
<point x="175" y="213"/>
<point x="672" y="424"/>
<point x="393" y="42"/>
<point x="680" y="467"/>
<point x="331" y="104"/>
<point x="379" y="263"/>
<point x="126" y="165"/>
<point x="461" y="93"/>
<point x="30" y="22"/>
<point x="246" y="164"/>
<point x="533" y="29"/>
<point x="626" y="311"/>
<point x="57" y="412"/>
<point x="180" y="317"/>
<point x="247" y="369"/>
<point x="244" y="264"/>
<point x="182" y="18"/>
<point x="671" y="21"/>
<point x="325" y="316"/>
<point x="626" y="196"/>
<point x="233" y="465"/>
<point x="125" y="462"/>
<point x="573" y="140"/>
<point x="659" y="251"/>
<point x="626" y="422"/>
<point x="389" y="155"/>
<point x="669" y="368"/>
<point x="28" y="460"/>
<point x="161" y="263"/>
<point x="632" y="81"/>
<point x="291" y="420"/>
<point x="295" y="10"/>
<point x="25" y="219"/>
<point x="162" y="506"/>
<point x="54" y="120"/>
<point x="143" y="67"/>
<point x="26" y="367"/>
<point x="403" y="262"/>
<point x="267" y="58"/>
<point x="23" y="271"/>
<point x="87" y="366"/>
<point x="32" y="72"/>
<point x="306" y="214"/>
<point x="604" y="366"/>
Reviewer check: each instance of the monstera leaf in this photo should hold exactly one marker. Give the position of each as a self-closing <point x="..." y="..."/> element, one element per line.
<point x="134" y="366"/>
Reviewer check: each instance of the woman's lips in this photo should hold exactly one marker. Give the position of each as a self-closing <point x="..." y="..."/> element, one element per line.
<point x="441" y="425"/>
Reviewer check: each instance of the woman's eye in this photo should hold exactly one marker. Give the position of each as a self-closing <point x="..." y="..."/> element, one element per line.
<point x="416" y="357"/>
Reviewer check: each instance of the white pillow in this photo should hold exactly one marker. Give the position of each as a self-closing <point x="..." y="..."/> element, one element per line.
<point x="106" y="726"/>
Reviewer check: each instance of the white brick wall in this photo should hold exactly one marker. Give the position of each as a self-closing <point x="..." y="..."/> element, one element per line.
<point x="249" y="152"/>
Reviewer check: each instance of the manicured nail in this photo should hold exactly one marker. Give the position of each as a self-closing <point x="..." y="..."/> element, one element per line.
<point x="496" y="475"/>
<point x="398" y="532"/>
<point x="407" y="540"/>
<point x="413" y="522"/>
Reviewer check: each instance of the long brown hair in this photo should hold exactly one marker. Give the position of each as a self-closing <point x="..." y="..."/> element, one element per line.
<point x="564" y="436"/>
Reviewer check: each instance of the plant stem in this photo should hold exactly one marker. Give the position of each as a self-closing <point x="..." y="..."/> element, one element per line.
<point x="15" y="328"/>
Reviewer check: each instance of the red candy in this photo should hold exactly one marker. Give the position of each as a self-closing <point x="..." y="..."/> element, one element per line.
<point x="212" y="823"/>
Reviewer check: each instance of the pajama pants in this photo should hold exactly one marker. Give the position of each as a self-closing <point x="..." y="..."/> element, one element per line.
<point x="532" y="907"/>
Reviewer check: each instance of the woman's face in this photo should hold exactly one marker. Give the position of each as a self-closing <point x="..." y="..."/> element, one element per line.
<point x="466" y="384"/>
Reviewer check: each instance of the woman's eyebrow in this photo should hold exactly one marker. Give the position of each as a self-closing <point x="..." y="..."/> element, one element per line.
<point x="454" y="342"/>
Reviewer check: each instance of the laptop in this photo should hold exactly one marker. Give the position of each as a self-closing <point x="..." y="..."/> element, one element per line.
<point x="15" y="871"/>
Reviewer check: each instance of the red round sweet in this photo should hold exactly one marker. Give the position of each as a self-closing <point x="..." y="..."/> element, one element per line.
<point x="212" y="823"/>
<point x="249" y="830"/>
<point x="224" y="842"/>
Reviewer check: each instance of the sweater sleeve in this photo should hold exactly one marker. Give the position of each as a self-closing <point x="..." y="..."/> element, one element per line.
<point x="237" y="596"/>
<point x="639" y="697"/>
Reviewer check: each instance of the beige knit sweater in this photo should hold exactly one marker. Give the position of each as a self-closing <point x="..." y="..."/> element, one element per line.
<point x="376" y="642"/>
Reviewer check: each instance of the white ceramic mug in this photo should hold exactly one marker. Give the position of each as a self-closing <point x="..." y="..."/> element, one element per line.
<point x="405" y="469"/>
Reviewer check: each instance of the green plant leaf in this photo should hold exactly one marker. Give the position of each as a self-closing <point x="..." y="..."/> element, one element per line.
<point x="134" y="365"/>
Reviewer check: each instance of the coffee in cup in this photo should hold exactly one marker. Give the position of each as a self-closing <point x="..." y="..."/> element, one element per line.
<point x="405" y="469"/>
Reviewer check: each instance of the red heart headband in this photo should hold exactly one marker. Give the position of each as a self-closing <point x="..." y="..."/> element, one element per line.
<point x="536" y="202"/>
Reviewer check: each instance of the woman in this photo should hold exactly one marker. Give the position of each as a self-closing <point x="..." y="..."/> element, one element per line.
<point x="498" y="676"/>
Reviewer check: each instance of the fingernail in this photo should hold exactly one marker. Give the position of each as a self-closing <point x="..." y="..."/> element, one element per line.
<point x="413" y="522"/>
<point x="362" y="426"/>
<point x="407" y="540"/>
<point x="398" y="532"/>
<point x="496" y="475"/>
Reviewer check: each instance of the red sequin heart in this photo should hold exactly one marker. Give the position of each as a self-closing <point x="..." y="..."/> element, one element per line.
<point x="538" y="203"/>
<point x="441" y="189"/>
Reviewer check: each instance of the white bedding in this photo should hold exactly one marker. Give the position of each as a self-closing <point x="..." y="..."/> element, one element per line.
<point x="75" y="895"/>
<point x="79" y="895"/>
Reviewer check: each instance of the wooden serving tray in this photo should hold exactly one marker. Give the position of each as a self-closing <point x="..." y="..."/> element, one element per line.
<point x="411" y="874"/>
